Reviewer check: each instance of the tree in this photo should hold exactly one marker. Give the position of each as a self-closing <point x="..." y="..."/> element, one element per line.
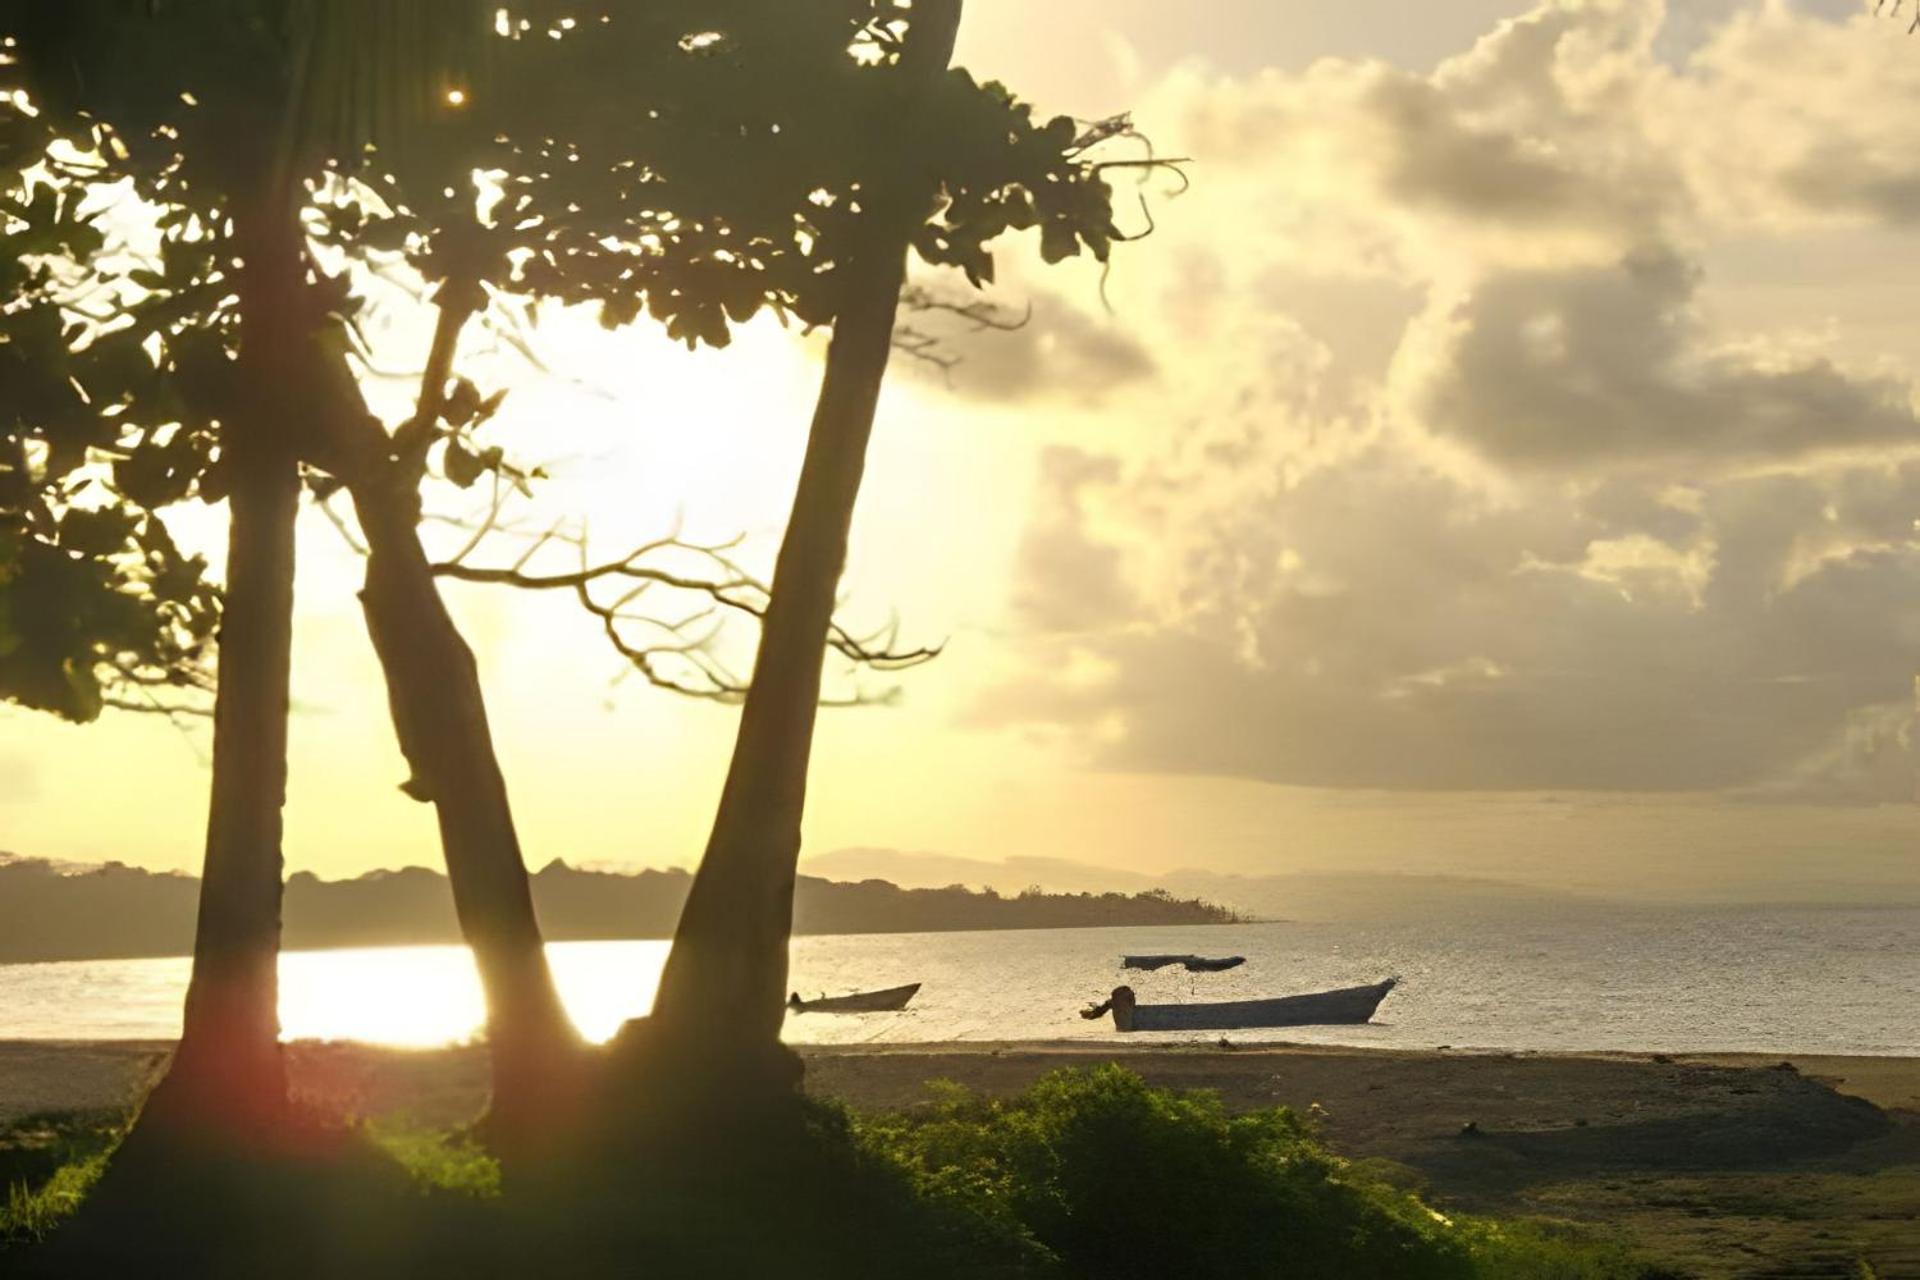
<point x="218" y="119"/>
<point x="815" y="154"/>
<point x="725" y="978"/>
<point x="177" y="416"/>
<point x="235" y="272"/>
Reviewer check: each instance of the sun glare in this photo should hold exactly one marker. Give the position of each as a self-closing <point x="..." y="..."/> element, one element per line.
<point x="428" y="997"/>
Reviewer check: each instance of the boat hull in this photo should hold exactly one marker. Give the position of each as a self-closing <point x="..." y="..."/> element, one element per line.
<point x="1347" y="1006"/>
<point x="1192" y="964"/>
<point x="860" y="1001"/>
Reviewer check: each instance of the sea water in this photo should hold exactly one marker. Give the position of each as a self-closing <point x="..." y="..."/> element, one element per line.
<point x="1775" y="980"/>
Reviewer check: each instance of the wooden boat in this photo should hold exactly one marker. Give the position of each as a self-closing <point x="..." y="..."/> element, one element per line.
<point x="858" y="1002"/>
<point x="1322" y="1008"/>
<point x="1192" y="964"/>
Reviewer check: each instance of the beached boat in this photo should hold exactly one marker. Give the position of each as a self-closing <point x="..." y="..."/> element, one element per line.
<point x="1192" y="964"/>
<point x="1322" y="1008"/>
<point x="859" y="1002"/>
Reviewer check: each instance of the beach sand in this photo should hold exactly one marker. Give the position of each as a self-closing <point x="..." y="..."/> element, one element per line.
<point x="1722" y="1165"/>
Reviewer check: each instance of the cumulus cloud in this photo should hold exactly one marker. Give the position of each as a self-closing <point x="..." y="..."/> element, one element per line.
<point x="1537" y="518"/>
<point x="1068" y="579"/>
<point x="1410" y="631"/>
<point x="1558" y="366"/>
<point x="1785" y="119"/>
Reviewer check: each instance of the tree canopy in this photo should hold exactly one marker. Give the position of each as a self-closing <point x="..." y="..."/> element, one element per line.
<point x="690" y="162"/>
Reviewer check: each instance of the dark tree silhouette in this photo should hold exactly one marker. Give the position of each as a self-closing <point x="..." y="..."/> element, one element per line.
<point x="943" y="166"/>
<point x="237" y="139"/>
<point x="223" y="118"/>
<point x="726" y="978"/>
<point x="767" y="155"/>
<point x="203" y="415"/>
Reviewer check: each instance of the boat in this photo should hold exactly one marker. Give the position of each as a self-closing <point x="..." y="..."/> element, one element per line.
<point x="1192" y="964"/>
<point x="858" y="1002"/>
<point x="1321" y="1008"/>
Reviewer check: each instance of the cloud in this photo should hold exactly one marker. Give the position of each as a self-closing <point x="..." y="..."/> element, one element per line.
<point x="1069" y="580"/>
<point x="1550" y="367"/>
<point x="1785" y="119"/>
<point x="1452" y="470"/>
<point x="1413" y="632"/>
<point x="1871" y="759"/>
<point x="1039" y="345"/>
<point x="1518" y="151"/>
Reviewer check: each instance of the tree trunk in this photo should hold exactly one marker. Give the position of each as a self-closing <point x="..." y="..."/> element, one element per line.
<point x="440" y="717"/>
<point x="440" y="720"/>
<point x="227" y="1082"/>
<point x="724" y="987"/>
<point x="227" y="1073"/>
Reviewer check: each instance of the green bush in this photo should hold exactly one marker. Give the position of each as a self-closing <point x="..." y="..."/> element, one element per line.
<point x="1099" y="1175"/>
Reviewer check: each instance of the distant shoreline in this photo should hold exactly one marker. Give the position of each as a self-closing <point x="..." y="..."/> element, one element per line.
<point x="660" y="937"/>
<point x="51" y="913"/>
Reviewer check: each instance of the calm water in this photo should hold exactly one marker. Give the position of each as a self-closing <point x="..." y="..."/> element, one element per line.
<point x="1775" y="980"/>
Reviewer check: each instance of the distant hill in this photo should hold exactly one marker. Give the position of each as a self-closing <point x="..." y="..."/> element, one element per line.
<point x="54" y="911"/>
<point x="1300" y="896"/>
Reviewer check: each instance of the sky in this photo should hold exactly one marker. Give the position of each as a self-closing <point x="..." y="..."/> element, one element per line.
<point x="1500" y="460"/>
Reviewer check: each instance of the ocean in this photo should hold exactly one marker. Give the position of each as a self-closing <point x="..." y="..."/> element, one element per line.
<point x="1774" y="980"/>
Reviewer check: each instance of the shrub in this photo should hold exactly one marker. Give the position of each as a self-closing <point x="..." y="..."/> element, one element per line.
<point x="1101" y="1176"/>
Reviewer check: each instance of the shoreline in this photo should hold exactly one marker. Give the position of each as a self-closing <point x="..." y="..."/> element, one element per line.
<point x="50" y="1075"/>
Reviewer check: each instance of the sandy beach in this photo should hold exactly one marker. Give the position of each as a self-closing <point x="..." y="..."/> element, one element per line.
<point x="1719" y="1165"/>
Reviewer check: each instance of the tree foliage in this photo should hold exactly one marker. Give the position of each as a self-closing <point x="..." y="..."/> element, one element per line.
<point x="108" y="374"/>
<point x="693" y="163"/>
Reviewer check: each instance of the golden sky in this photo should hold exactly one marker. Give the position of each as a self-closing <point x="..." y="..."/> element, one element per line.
<point x="1502" y="460"/>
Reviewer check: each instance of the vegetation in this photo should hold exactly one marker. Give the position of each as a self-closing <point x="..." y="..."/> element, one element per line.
<point x="48" y="1163"/>
<point x="1094" y="1173"/>
<point x="1087" y="1174"/>
<point x="440" y="1163"/>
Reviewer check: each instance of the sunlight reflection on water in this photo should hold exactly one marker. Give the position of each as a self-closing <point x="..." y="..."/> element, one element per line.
<point x="422" y="996"/>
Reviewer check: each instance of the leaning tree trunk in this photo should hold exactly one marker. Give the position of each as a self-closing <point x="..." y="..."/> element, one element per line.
<point x="724" y="987"/>
<point x="440" y="720"/>
<point x="440" y="717"/>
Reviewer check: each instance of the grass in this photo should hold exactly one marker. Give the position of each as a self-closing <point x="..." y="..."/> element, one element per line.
<point x="1090" y="1173"/>
<point x="440" y="1163"/>
<point x="31" y="1214"/>
<point x="48" y="1163"/>
<point x="1729" y="1223"/>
